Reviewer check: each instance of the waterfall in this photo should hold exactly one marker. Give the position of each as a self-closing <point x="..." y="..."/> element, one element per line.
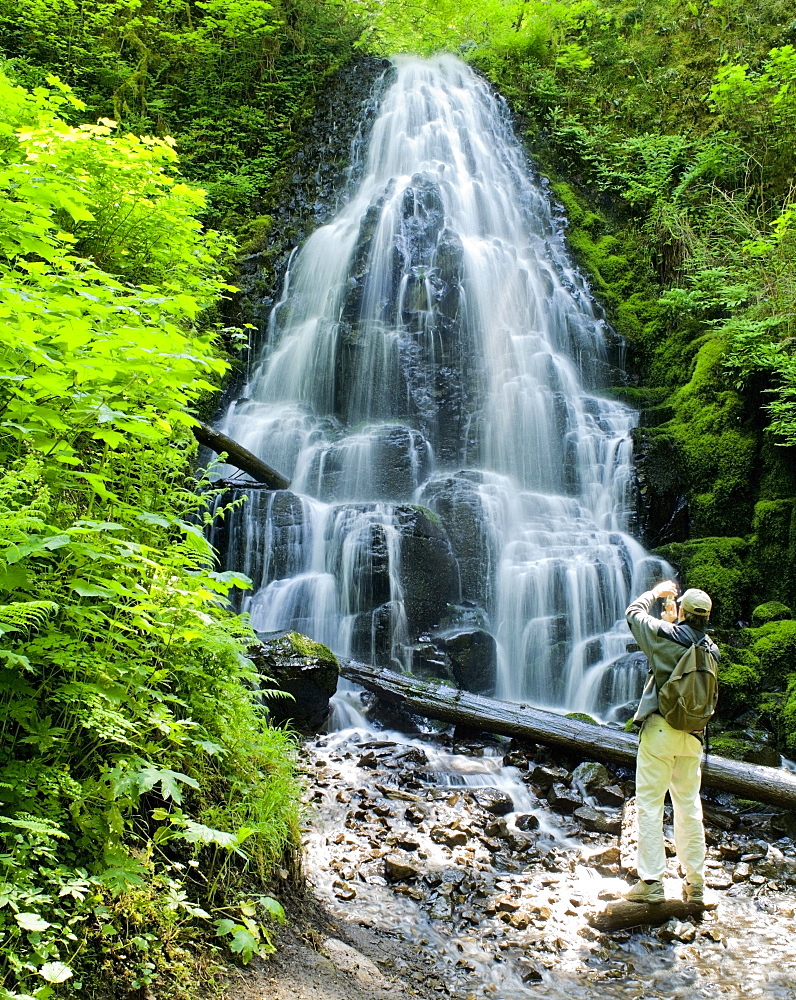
<point x="430" y="382"/>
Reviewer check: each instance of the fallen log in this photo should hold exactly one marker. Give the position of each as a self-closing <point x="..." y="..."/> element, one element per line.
<point x="439" y="701"/>
<point x="622" y="914"/>
<point x="240" y="457"/>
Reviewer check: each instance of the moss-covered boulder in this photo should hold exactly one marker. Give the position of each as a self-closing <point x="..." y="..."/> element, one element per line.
<point x="305" y="670"/>
<point x="753" y="746"/>
<point x="774" y="645"/>
<point x="773" y="551"/>
<point x="785" y="721"/>
<point x="739" y="681"/>
<point x="717" y="566"/>
<point x="771" y="611"/>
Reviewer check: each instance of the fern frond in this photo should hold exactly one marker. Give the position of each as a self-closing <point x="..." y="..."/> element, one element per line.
<point x="25" y="616"/>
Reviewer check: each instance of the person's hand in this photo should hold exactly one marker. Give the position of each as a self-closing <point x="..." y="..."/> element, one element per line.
<point x="667" y="588"/>
<point x="669" y="613"/>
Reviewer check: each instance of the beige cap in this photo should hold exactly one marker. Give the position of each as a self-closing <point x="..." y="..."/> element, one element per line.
<point x="696" y="602"/>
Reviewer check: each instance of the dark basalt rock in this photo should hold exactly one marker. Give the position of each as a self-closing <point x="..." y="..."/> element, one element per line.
<point x="399" y="460"/>
<point x="494" y="801"/>
<point x="472" y="655"/>
<point x="457" y="502"/>
<point x="429" y="574"/>
<point x="662" y="488"/>
<point x="304" y="669"/>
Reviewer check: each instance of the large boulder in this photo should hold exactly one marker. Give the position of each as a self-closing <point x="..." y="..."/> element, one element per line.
<point x="300" y="667"/>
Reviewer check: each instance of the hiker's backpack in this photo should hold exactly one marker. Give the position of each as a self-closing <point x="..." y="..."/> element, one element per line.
<point x="687" y="699"/>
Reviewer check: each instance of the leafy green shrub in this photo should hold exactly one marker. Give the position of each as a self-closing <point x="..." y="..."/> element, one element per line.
<point x="139" y="779"/>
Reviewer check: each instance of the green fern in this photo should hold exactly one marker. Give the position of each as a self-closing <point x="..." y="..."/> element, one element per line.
<point x="25" y="616"/>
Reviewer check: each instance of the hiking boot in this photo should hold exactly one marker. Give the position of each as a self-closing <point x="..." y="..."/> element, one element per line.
<point x="646" y="892"/>
<point x="694" y="892"/>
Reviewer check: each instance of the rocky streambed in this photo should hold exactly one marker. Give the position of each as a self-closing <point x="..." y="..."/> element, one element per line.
<point x="468" y="868"/>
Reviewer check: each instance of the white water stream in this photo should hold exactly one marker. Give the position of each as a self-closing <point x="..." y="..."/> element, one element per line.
<point x="431" y="384"/>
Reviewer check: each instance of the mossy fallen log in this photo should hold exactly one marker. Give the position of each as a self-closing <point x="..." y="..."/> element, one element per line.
<point x="240" y="457"/>
<point x="439" y="701"/>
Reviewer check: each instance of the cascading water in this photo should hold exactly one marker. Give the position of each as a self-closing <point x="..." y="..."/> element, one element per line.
<point x="430" y="382"/>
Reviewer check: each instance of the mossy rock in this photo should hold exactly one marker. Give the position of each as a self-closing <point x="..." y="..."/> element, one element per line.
<point x="720" y="447"/>
<point x="774" y="550"/>
<point x="754" y="747"/>
<point x="739" y="681"/>
<point x="771" y="611"/>
<point x="717" y="566"/>
<point x="774" y="645"/>
<point x="786" y="721"/>
<point x="582" y="717"/>
<point x="302" y="668"/>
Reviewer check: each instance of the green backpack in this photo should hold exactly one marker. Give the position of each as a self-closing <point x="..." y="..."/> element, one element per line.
<point x="687" y="699"/>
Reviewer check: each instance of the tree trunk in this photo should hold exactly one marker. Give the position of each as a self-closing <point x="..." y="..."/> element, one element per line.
<point x="240" y="457"/>
<point x="438" y="701"/>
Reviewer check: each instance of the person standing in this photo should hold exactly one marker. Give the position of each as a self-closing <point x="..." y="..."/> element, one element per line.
<point x="668" y="759"/>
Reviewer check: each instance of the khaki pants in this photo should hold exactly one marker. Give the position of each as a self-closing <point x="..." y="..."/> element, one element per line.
<point x="669" y="760"/>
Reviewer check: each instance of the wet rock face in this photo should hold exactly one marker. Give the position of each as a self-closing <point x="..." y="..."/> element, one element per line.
<point x="457" y="502"/>
<point x="389" y="462"/>
<point x="322" y="170"/>
<point x="429" y="574"/>
<point x="472" y="655"/>
<point x="304" y="669"/>
<point x="662" y="484"/>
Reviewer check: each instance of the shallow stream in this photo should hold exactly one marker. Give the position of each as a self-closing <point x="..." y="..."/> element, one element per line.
<point x="495" y="905"/>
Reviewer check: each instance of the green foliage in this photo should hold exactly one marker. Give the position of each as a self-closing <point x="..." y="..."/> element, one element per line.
<point x="230" y="78"/>
<point x="126" y="699"/>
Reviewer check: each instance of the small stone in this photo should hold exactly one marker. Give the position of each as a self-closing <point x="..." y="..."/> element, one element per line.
<point x="562" y="800"/>
<point x="400" y="866"/>
<point x="600" y="822"/>
<point x="494" y="800"/>
<point x="527" y="821"/>
<point x="415" y="815"/>
<point x="610" y="795"/>
<point x="741" y="872"/>
<point x="590" y="776"/>
<point x="544" y="776"/>
<point x="451" y="838"/>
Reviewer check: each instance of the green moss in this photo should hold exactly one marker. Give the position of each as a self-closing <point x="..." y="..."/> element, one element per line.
<point x="739" y="680"/>
<point x="618" y="271"/>
<point x="719" y="449"/>
<point x="717" y="566"/>
<point x="771" y="611"/>
<point x="774" y="550"/>
<point x="755" y="747"/>
<point x="581" y="717"/>
<point x="304" y="646"/>
<point x="774" y="645"/>
<point x="786" y="720"/>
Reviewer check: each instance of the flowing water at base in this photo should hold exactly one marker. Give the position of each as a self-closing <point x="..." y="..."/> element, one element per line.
<point x="494" y="906"/>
